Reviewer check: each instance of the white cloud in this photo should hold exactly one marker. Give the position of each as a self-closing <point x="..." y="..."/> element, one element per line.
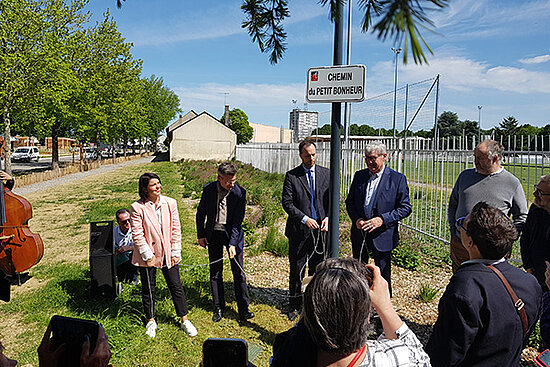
<point x="463" y="74"/>
<point x="536" y="59"/>
<point x="263" y="103"/>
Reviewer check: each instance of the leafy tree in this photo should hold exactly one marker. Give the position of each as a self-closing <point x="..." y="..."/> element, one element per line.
<point x="468" y="128"/>
<point x="239" y="124"/>
<point x="509" y="126"/>
<point x="323" y="130"/>
<point x="448" y="124"/>
<point x="398" y="19"/>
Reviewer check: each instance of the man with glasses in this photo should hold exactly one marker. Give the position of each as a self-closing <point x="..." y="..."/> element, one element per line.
<point x="480" y="322"/>
<point x="124" y="246"/>
<point x="535" y="248"/>
<point x="219" y="220"/>
<point x="489" y="182"/>
<point x="305" y="199"/>
<point x="378" y="199"/>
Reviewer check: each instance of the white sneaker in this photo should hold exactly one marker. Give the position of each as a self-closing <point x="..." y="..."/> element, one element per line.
<point x="151" y="329"/>
<point x="189" y="329"/>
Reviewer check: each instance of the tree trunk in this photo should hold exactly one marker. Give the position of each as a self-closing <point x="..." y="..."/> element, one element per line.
<point x="55" y="146"/>
<point x="7" y="141"/>
<point x="125" y="145"/>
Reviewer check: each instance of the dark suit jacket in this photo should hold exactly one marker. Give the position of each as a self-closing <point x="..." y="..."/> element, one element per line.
<point x="477" y="324"/>
<point x="391" y="203"/>
<point x="208" y="209"/>
<point x="297" y="199"/>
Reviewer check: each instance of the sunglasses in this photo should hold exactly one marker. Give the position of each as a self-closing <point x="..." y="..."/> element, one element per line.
<point x="124" y="221"/>
<point x="460" y="223"/>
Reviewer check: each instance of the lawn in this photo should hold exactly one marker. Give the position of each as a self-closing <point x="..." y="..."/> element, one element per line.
<point x="59" y="284"/>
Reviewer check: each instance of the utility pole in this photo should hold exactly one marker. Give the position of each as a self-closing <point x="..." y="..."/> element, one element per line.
<point x="396" y="51"/>
<point x="335" y="143"/>
<point x="479" y="122"/>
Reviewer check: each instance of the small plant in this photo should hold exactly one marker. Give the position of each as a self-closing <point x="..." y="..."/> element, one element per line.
<point x="535" y="340"/>
<point x="427" y="292"/>
<point x="275" y="243"/>
<point x="406" y="257"/>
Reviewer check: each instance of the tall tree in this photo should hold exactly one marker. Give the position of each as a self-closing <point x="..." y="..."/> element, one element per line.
<point x="509" y="126"/>
<point x="23" y="58"/>
<point x="239" y="124"/>
<point x="397" y="19"/>
<point x="448" y="124"/>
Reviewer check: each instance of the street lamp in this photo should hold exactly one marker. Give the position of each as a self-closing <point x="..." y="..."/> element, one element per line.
<point x="396" y="51"/>
<point x="479" y="121"/>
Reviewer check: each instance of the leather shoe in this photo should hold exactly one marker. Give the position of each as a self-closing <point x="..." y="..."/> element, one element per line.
<point x="293" y="315"/>
<point x="218" y="313"/>
<point x="246" y="315"/>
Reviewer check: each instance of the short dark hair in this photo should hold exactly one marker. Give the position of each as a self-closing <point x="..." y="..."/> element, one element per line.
<point x="492" y="231"/>
<point x="120" y="211"/>
<point x="337" y="306"/>
<point x="227" y="169"/>
<point x="144" y="182"/>
<point x="305" y="143"/>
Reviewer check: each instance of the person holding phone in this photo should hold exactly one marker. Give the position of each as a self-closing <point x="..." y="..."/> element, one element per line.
<point x="156" y="230"/>
<point x="335" y="323"/>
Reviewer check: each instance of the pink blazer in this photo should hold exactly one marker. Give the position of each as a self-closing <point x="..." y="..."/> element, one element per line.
<point x="148" y="234"/>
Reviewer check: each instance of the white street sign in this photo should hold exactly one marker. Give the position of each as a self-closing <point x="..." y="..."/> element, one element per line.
<point x="327" y="84"/>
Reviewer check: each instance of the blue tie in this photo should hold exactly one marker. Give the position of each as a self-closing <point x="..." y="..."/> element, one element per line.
<point x="312" y="190"/>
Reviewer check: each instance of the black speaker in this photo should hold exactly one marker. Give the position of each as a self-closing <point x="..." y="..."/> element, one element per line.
<point x="102" y="259"/>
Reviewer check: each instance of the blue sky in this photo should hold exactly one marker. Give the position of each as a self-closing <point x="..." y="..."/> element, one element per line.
<point x="494" y="53"/>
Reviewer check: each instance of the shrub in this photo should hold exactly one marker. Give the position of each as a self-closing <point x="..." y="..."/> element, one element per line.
<point x="406" y="257"/>
<point x="273" y="242"/>
<point x="535" y="339"/>
<point x="427" y="292"/>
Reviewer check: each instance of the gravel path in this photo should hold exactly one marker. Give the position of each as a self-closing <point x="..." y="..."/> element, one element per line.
<point x="25" y="190"/>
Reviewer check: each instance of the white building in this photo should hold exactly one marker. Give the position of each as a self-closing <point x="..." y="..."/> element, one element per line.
<point x="302" y="123"/>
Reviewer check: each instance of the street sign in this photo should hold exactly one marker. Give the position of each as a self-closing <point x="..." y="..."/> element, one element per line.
<point x="328" y="84"/>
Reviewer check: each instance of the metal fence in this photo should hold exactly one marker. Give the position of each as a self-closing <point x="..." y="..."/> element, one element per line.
<point x="431" y="169"/>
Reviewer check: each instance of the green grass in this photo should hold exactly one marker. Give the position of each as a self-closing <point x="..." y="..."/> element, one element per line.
<point x="427" y="292"/>
<point x="274" y="243"/>
<point x="64" y="288"/>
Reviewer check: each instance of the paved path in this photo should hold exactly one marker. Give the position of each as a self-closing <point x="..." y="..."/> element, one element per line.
<point x="25" y="190"/>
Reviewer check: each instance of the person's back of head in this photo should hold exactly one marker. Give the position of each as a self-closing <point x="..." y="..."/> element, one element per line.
<point x="491" y="231"/>
<point x="337" y="306"/>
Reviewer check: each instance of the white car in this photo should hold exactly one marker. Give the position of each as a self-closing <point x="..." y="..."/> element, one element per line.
<point x="25" y="154"/>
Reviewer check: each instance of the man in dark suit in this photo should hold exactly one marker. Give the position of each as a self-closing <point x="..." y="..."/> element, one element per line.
<point x="306" y="201"/>
<point x="222" y="205"/>
<point x="378" y="199"/>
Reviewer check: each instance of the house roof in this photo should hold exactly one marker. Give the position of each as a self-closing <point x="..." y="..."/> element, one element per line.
<point x="182" y="120"/>
<point x="179" y="124"/>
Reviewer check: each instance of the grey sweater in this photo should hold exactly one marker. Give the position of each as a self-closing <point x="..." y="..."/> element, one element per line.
<point x="501" y="190"/>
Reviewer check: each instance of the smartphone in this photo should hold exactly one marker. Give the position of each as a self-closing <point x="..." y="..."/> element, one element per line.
<point x="71" y="332"/>
<point x="543" y="359"/>
<point x="224" y="353"/>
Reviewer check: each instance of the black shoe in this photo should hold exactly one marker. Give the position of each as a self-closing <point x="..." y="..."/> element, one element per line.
<point x="293" y="315"/>
<point x="218" y="313"/>
<point x="246" y="315"/>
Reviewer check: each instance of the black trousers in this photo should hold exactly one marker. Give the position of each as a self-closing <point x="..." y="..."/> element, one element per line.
<point x="215" y="252"/>
<point x="149" y="284"/>
<point x="382" y="259"/>
<point x="127" y="272"/>
<point x="299" y="251"/>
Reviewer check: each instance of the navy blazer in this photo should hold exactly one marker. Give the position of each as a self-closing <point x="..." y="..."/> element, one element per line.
<point x="391" y="203"/>
<point x="296" y="199"/>
<point x="208" y="209"/>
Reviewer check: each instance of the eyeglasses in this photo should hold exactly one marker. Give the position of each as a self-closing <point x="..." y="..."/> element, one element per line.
<point x="538" y="192"/>
<point x="460" y="223"/>
<point x="371" y="157"/>
<point x="124" y="221"/>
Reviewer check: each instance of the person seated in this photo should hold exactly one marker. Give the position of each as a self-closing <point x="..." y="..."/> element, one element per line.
<point x="124" y="246"/>
<point x="335" y="322"/>
<point x="479" y="322"/>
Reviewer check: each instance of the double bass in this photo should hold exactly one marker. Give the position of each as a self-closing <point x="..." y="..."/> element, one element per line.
<point x="20" y="248"/>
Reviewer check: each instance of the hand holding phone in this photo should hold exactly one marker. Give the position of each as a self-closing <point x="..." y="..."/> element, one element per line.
<point x="224" y="353"/>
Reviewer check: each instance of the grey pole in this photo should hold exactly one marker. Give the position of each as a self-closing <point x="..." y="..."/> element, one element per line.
<point x="335" y="143"/>
<point x="479" y="121"/>
<point x="396" y="51"/>
<point x="347" y="121"/>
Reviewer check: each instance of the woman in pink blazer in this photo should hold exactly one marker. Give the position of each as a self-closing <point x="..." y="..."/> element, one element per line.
<point x="157" y="244"/>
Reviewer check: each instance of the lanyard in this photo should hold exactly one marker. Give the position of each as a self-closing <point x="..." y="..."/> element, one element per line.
<point x="357" y="356"/>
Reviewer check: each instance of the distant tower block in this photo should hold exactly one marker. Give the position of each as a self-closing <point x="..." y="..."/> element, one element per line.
<point x="302" y="123"/>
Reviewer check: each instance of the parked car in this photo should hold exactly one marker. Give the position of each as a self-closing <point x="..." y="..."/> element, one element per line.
<point x="25" y="154"/>
<point x="107" y="153"/>
<point x="90" y="154"/>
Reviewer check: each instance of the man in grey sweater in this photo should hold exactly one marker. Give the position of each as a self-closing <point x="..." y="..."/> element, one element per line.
<point x="488" y="182"/>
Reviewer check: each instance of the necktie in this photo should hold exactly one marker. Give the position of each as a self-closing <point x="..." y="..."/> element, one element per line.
<point x="312" y="190"/>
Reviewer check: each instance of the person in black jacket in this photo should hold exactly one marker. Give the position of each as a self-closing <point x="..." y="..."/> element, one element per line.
<point x="219" y="219"/>
<point x="306" y="201"/>
<point x="478" y="323"/>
